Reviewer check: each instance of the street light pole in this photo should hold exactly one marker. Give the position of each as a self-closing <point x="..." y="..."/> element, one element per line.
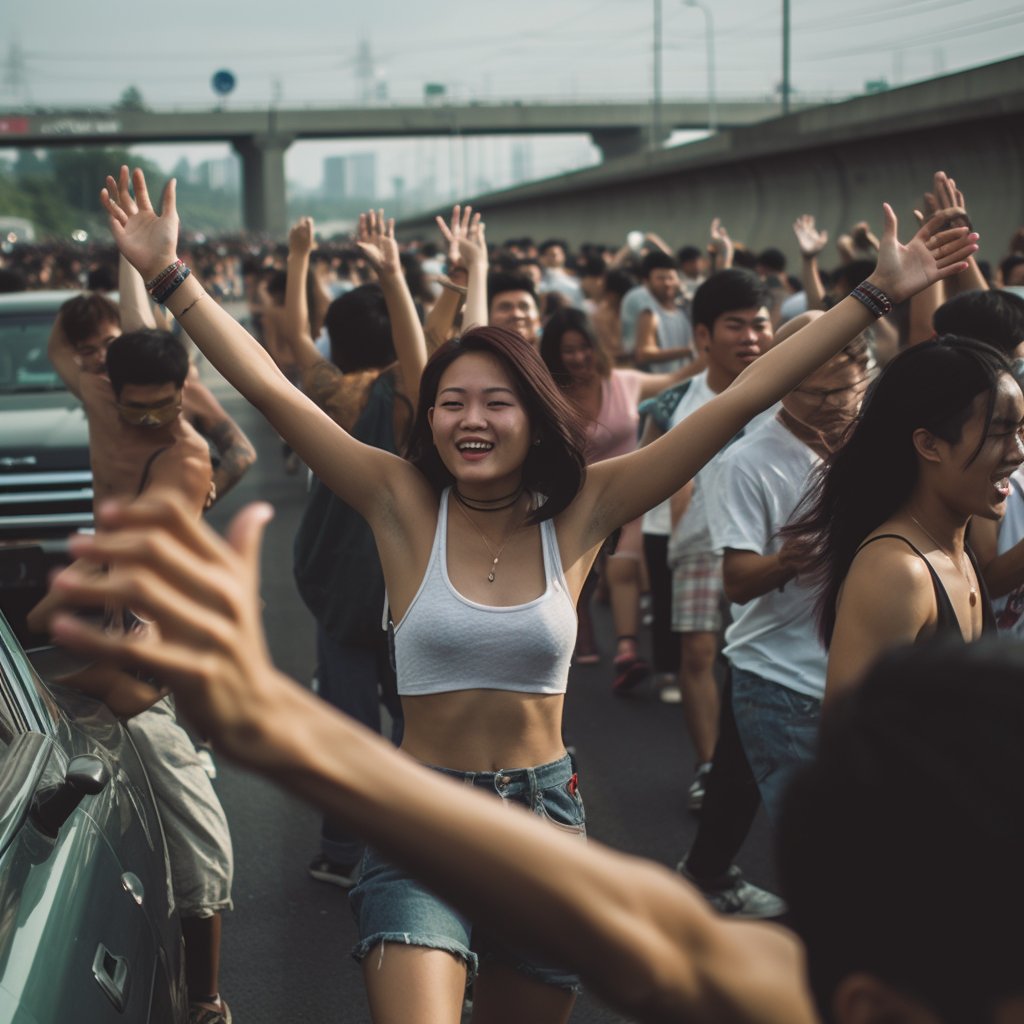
<point x="709" y="36"/>
<point x="656" y="106"/>
<point x="785" y="57"/>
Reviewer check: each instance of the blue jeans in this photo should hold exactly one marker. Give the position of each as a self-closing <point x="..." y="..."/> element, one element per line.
<point x="392" y="907"/>
<point x="349" y="679"/>
<point x="779" y="731"/>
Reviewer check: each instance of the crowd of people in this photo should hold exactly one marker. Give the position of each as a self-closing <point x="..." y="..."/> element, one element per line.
<point x="808" y="487"/>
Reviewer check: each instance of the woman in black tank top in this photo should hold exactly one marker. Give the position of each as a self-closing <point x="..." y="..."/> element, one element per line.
<point x="935" y="443"/>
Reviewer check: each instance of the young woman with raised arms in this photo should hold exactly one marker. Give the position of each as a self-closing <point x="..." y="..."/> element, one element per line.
<point x="486" y="534"/>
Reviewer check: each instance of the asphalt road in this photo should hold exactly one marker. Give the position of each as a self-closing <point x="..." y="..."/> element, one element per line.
<point x="285" y="953"/>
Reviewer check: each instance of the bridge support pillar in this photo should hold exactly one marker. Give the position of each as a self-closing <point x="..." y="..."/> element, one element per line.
<point x="263" y="183"/>
<point x="615" y="142"/>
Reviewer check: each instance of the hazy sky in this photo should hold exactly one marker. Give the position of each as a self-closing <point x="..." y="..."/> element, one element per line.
<point x="306" y="52"/>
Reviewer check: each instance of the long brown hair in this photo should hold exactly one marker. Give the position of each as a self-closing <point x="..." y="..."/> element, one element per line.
<point x="555" y="467"/>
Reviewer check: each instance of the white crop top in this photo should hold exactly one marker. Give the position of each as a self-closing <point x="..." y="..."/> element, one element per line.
<point x="446" y="642"/>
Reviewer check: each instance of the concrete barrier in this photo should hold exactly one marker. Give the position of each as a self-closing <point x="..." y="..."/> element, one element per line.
<point x="838" y="163"/>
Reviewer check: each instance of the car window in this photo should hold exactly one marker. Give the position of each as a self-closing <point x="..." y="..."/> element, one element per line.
<point x="25" y="702"/>
<point x="24" y="365"/>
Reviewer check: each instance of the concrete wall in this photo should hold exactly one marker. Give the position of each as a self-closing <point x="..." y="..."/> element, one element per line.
<point x="838" y="163"/>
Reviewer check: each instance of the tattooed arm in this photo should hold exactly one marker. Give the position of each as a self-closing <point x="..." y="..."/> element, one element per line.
<point x="233" y="448"/>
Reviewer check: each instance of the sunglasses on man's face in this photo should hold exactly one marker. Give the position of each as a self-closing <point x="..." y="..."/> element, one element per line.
<point x="150" y="416"/>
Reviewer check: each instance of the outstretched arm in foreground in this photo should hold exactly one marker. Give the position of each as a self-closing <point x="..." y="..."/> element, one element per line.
<point x="364" y="477"/>
<point x="621" y="489"/>
<point x="635" y="931"/>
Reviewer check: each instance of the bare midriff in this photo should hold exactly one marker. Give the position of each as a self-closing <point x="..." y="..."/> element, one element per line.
<point x="483" y="730"/>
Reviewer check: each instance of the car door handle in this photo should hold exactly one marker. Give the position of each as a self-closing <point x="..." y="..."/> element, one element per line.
<point x="112" y="975"/>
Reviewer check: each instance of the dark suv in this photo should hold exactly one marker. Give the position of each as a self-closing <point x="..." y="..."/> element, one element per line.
<point x="45" y="479"/>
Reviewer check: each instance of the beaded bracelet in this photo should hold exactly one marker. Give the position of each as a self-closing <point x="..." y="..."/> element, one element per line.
<point x="168" y="289"/>
<point x="165" y="273"/>
<point x="874" y="298"/>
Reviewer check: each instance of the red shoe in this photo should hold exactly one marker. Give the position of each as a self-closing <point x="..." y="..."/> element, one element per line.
<point x="632" y="671"/>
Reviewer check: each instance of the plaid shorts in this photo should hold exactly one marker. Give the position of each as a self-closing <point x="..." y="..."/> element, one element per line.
<point x="697" y="593"/>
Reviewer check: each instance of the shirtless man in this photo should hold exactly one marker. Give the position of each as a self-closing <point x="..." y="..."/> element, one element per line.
<point x="81" y="335"/>
<point x="132" y="387"/>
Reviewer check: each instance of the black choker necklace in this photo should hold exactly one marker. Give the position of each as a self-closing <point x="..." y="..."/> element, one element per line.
<point x="489" y="504"/>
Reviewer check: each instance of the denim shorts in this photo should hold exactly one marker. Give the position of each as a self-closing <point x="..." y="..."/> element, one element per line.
<point x="390" y="906"/>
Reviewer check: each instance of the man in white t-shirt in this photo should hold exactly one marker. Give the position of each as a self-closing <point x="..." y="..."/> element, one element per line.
<point x="778" y="660"/>
<point x="732" y="328"/>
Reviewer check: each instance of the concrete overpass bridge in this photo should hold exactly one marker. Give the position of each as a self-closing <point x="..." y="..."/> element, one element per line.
<point x="261" y="137"/>
<point x="837" y="162"/>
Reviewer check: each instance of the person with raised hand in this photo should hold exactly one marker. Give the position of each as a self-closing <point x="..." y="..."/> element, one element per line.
<point x="868" y="950"/>
<point x="467" y="247"/>
<point x="486" y="533"/>
<point x="372" y="395"/>
<point x="812" y="243"/>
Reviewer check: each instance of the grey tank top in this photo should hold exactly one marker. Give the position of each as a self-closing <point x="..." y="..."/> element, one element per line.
<point x="446" y="642"/>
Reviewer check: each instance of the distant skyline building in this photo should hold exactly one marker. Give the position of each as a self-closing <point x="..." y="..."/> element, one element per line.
<point x="219" y="175"/>
<point x="350" y="177"/>
<point x="522" y="162"/>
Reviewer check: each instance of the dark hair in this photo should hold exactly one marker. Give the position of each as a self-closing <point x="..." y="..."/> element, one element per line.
<point x="726" y="291"/>
<point x="526" y="261"/>
<point x="932" y="386"/>
<point x="593" y="266"/>
<point x="618" y="282"/>
<point x="744" y="259"/>
<point x="561" y="322"/>
<point x="849" y="275"/>
<point x="82" y="316"/>
<point x="995" y="317"/>
<point x="360" y="330"/>
<point x="556" y="466"/>
<point x="146" y="357"/>
<point x="550" y="244"/>
<point x="502" y="282"/>
<point x="277" y="283"/>
<point x="11" y="281"/>
<point x="102" y="278"/>
<point x="1014" y="260"/>
<point x="773" y="260"/>
<point x="688" y="253"/>
<point x="903" y="806"/>
<point x="657" y="260"/>
<point x="415" y="278"/>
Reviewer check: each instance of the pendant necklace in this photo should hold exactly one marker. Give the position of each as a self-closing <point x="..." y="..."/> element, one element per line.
<point x="959" y="568"/>
<point x="484" y="538"/>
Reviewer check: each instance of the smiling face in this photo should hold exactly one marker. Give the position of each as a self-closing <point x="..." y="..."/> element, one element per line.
<point x="480" y="426"/>
<point x="577" y="357"/>
<point x="981" y="486"/>
<point x="516" y="311"/>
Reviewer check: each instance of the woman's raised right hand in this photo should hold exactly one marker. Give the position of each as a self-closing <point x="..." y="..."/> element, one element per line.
<point x="147" y="241"/>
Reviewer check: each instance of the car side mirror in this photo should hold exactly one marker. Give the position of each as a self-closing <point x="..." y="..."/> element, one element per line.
<point x="86" y="774"/>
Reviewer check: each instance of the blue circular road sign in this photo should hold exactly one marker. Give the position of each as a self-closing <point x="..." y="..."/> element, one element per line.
<point x="223" y="82"/>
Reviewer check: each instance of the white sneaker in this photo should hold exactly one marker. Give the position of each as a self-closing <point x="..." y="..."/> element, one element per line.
<point x="670" y="695"/>
<point x="695" y="794"/>
<point x="732" y="894"/>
